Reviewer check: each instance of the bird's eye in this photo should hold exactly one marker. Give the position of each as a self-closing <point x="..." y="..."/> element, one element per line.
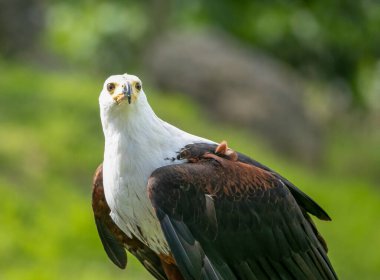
<point x="110" y="87"/>
<point x="138" y="86"/>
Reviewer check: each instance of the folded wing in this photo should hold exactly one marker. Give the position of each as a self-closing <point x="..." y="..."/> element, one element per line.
<point x="226" y="218"/>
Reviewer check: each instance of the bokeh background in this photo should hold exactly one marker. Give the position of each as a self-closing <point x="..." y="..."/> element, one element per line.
<point x="294" y="84"/>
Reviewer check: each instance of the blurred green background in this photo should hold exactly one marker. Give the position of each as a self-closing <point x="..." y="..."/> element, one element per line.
<point x="55" y="55"/>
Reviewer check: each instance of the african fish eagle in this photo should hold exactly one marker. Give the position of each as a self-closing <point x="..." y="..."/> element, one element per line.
<point x="189" y="208"/>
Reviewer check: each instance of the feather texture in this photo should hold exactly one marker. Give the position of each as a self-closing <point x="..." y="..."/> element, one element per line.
<point x="262" y="232"/>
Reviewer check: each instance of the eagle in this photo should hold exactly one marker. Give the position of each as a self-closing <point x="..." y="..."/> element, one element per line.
<point x="190" y="208"/>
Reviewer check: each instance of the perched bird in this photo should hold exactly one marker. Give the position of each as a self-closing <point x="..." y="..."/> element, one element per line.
<point x="189" y="208"/>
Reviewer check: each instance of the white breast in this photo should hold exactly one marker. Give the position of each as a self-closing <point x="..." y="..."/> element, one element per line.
<point x="127" y="165"/>
<point x="125" y="189"/>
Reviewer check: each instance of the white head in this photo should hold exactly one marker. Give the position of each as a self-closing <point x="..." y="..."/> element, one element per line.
<point x="120" y="91"/>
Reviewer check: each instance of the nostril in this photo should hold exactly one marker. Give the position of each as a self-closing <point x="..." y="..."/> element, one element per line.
<point x="125" y="90"/>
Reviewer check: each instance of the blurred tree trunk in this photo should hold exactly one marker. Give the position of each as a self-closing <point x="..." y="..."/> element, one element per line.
<point x="159" y="14"/>
<point x="21" y="23"/>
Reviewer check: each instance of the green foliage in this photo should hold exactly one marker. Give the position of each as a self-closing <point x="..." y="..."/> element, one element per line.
<point x="327" y="39"/>
<point x="51" y="142"/>
<point x="335" y="41"/>
<point x="82" y="31"/>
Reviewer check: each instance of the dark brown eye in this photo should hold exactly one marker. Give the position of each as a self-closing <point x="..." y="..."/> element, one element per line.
<point x="110" y="87"/>
<point x="138" y="86"/>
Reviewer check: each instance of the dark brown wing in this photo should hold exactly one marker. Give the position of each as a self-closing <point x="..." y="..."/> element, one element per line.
<point x="306" y="203"/>
<point x="115" y="241"/>
<point x="225" y="219"/>
<point x="310" y="206"/>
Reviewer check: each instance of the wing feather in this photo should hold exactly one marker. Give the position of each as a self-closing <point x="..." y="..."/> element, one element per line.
<point x="235" y="220"/>
<point x="111" y="244"/>
<point x="114" y="249"/>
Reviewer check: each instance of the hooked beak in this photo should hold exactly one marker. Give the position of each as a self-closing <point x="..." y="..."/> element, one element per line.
<point x="127" y="91"/>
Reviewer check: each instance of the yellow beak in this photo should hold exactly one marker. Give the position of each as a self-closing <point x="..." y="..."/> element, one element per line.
<point x="126" y="93"/>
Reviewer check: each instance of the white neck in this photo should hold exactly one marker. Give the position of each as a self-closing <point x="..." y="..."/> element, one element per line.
<point x="133" y="127"/>
<point x="132" y="120"/>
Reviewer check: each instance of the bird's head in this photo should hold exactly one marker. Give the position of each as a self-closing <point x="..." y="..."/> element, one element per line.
<point x="120" y="91"/>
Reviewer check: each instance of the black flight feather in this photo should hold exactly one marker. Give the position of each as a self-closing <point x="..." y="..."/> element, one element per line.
<point x="113" y="247"/>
